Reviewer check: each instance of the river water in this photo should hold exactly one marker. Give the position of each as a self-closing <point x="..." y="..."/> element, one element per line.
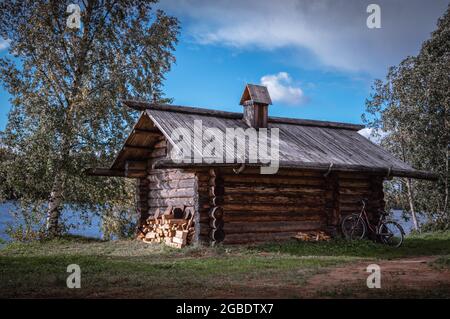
<point x="91" y="229"/>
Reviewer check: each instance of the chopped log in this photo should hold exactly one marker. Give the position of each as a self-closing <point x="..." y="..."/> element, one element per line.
<point x="298" y="199"/>
<point x="182" y="234"/>
<point x="178" y="212"/>
<point x="271" y="227"/>
<point x="256" y="208"/>
<point x="158" y="152"/>
<point x="188" y="213"/>
<point x="216" y="191"/>
<point x="270" y="190"/>
<point x="246" y="238"/>
<point x="171" y="184"/>
<point x="168" y="211"/>
<point x="159" y="175"/>
<point x="216" y="213"/>
<point x="217" y="235"/>
<point x="136" y="165"/>
<point x="269" y="216"/>
<point x="177" y="201"/>
<point x="262" y="180"/>
<point x="172" y="193"/>
<point x="312" y="236"/>
<point x="180" y="241"/>
<point x="216" y="223"/>
<point x="161" y="144"/>
<point x="174" y="232"/>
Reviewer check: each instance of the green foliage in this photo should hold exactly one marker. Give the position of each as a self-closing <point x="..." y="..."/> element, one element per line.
<point x="28" y="222"/>
<point x="66" y="86"/>
<point x="119" y="218"/>
<point x="413" y="107"/>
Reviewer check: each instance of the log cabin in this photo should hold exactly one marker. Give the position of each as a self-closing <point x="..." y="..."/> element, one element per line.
<point x="325" y="170"/>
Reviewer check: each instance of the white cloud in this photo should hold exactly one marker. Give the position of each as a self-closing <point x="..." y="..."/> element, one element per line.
<point x="334" y="32"/>
<point x="4" y="44"/>
<point x="281" y="90"/>
<point x="375" y="136"/>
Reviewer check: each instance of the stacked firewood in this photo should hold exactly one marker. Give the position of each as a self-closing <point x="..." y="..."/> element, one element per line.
<point x="312" y="236"/>
<point x="174" y="227"/>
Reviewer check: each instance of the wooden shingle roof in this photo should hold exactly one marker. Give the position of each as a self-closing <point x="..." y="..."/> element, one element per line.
<point x="256" y="94"/>
<point x="304" y="144"/>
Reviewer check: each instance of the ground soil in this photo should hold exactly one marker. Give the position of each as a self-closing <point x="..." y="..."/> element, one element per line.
<point x="406" y="274"/>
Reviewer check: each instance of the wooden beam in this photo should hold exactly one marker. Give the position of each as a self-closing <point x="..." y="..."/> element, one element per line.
<point x="135" y="166"/>
<point x="115" y="172"/>
<point x="320" y="167"/>
<point x="103" y="172"/>
<point x="154" y="134"/>
<point x="137" y="148"/>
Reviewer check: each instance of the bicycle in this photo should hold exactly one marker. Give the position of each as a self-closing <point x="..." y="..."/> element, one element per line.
<point x="354" y="227"/>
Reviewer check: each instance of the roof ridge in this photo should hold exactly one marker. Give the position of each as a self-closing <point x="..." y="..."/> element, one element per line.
<point x="143" y="105"/>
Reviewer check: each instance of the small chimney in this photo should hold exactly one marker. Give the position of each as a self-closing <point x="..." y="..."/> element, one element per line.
<point x="256" y="101"/>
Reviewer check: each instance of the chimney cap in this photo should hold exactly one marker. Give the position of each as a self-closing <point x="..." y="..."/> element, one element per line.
<point x="257" y="94"/>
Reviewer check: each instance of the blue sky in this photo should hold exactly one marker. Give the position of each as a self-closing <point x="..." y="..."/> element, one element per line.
<point x="318" y="58"/>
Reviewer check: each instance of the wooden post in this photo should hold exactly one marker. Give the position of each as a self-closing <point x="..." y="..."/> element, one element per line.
<point x="376" y="200"/>
<point x="142" y="199"/>
<point x="332" y="205"/>
<point x="216" y="191"/>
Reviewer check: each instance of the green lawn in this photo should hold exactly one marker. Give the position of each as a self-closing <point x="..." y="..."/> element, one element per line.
<point x="437" y="243"/>
<point x="134" y="269"/>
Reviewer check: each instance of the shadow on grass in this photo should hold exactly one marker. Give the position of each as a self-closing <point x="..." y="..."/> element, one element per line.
<point x="134" y="269"/>
<point x="418" y="245"/>
<point x="78" y="239"/>
<point x="110" y="276"/>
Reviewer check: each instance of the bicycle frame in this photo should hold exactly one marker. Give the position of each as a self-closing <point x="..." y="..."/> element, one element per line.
<point x="385" y="230"/>
<point x="363" y="215"/>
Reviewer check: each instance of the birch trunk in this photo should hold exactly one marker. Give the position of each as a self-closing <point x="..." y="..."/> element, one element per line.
<point x="447" y="176"/>
<point x="54" y="207"/>
<point x="55" y="201"/>
<point x="411" y="204"/>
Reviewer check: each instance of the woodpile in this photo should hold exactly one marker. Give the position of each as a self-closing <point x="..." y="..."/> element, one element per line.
<point x="312" y="236"/>
<point x="175" y="227"/>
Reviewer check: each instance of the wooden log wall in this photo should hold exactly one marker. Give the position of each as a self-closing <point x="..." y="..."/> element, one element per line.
<point x="355" y="187"/>
<point x="170" y="187"/>
<point x="215" y="214"/>
<point x="142" y="199"/>
<point x="263" y="207"/>
<point x="249" y="207"/>
<point x="258" y="208"/>
<point x="206" y="202"/>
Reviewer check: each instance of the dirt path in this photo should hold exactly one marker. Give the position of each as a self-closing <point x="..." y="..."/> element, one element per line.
<point x="399" y="278"/>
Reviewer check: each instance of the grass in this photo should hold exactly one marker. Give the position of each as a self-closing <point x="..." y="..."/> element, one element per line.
<point x="399" y="292"/>
<point x="436" y="243"/>
<point x="443" y="262"/>
<point x="134" y="269"/>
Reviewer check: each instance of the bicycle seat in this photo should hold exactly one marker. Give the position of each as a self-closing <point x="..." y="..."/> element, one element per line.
<point x="383" y="212"/>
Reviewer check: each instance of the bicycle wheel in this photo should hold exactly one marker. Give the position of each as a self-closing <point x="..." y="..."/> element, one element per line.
<point x="391" y="234"/>
<point x="353" y="227"/>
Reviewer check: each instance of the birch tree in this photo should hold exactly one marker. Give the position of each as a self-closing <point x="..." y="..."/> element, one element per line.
<point x="413" y="106"/>
<point x="66" y="84"/>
